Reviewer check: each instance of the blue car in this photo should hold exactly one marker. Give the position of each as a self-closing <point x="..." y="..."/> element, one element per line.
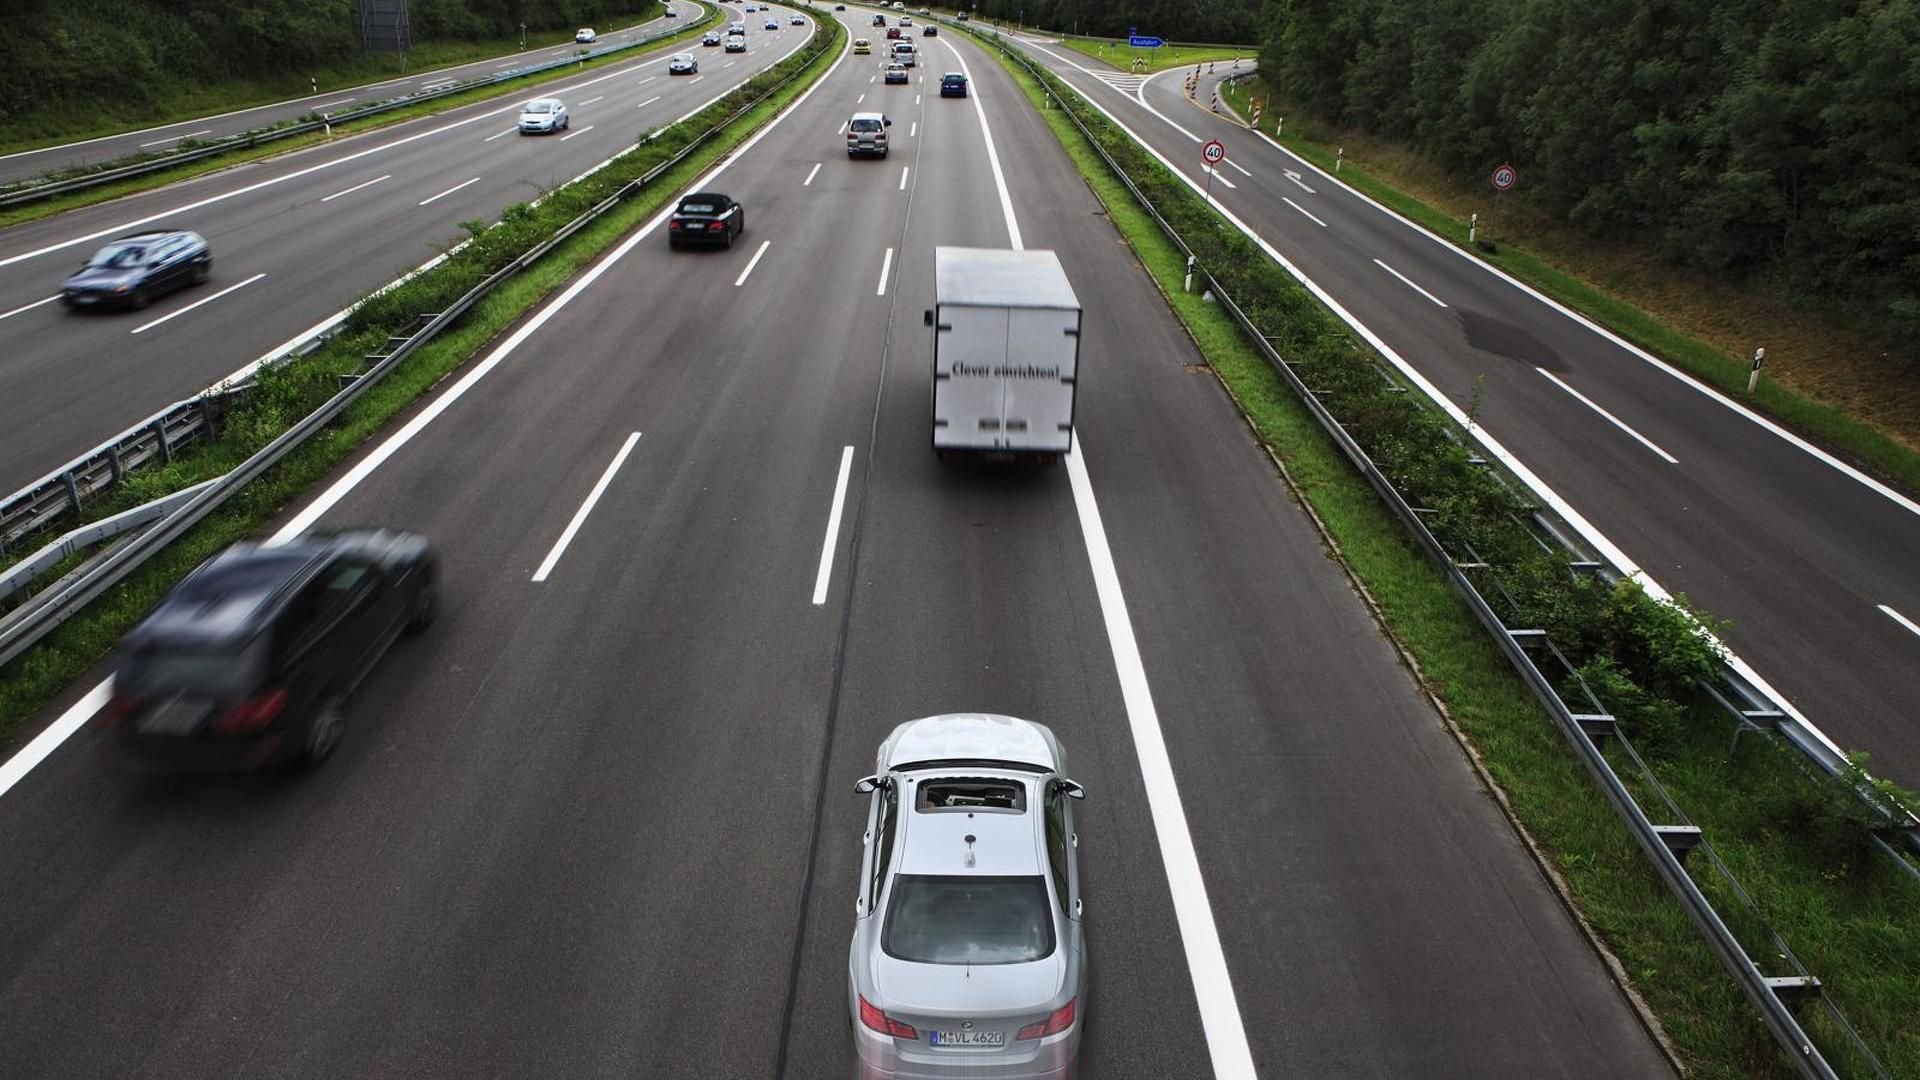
<point x="133" y="270"/>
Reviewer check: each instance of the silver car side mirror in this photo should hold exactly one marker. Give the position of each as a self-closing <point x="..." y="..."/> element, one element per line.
<point x="866" y="785"/>
<point x="1078" y="907"/>
<point x="1071" y="789"/>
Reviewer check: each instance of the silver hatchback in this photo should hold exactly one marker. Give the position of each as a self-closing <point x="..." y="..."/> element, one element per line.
<point x="968" y="957"/>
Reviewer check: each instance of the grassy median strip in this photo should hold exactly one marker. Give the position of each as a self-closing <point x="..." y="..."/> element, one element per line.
<point x="242" y="155"/>
<point x="286" y="394"/>
<point x="1852" y="437"/>
<point x="1793" y="843"/>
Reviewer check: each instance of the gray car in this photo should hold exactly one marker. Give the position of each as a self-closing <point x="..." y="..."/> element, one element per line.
<point x="968" y="957"/>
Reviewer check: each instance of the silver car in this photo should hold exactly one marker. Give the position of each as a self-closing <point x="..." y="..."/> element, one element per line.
<point x="543" y="115"/>
<point x="683" y="63"/>
<point x="968" y="957"/>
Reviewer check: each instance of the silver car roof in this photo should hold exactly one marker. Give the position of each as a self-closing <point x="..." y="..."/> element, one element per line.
<point x="1004" y="844"/>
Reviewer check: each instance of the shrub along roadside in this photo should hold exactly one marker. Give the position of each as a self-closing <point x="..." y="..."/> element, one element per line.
<point x="285" y="394"/>
<point x="1855" y="439"/>
<point x="1850" y="916"/>
<point x="134" y="185"/>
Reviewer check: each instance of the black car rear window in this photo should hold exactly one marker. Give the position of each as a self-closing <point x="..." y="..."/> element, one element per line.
<point x="214" y="673"/>
<point x="698" y="208"/>
<point x="968" y="920"/>
<point x="119" y="256"/>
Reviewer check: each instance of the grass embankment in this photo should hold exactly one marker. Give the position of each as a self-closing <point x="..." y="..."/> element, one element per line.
<point x="241" y="155"/>
<point x="1835" y="386"/>
<point x="1171" y="55"/>
<point x="286" y="394"/>
<point x="1850" y="916"/>
<point x="62" y="122"/>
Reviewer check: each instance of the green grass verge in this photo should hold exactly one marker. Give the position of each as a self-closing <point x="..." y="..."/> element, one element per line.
<point x="134" y="185"/>
<point x="62" y="122"/>
<point x="285" y="394"/>
<point x="1121" y="55"/>
<point x="1846" y="911"/>
<point x="1851" y="437"/>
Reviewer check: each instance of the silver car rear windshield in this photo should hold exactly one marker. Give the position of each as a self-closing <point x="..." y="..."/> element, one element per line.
<point x="968" y="920"/>
<point x="539" y="107"/>
<point x="866" y="125"/>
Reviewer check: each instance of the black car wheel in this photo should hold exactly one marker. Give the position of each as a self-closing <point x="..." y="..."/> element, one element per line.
<point x="324" y="733"/>
<point x="139" y="299"/>
<point x="728" y="242"/>
<point x="426" y="605"/>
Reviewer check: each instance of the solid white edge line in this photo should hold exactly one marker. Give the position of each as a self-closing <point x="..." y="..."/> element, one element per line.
<point x="571" y="134"/>
<point x="751" y="263"/>
<point x="825" y="575"/>
<point x="357" y="187"/>
<point x="29" y="307"/>
<point x="1303" y="210"/>
<point x="886" y="264"/>
<point x="1610" y="418"/>
<point x="1884" y="609"/>
<point x="1213" y="992"/>
<point x="451" y="190"/>
<point x="580" y="516"/>
<point x="43" y="744"/>
<point x="171" y="315"/>
<point x="808" y="182"/>
<point x="1593" y="536"/>
<point x="1408" y="282"/>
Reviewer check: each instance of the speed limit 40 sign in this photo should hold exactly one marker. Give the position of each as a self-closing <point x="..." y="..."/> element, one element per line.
<point x="1504" y="178"/>
<point x="1214" y="152"/>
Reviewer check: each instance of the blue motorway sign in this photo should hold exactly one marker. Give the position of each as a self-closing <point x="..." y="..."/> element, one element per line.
<point x="1140" y="41"/>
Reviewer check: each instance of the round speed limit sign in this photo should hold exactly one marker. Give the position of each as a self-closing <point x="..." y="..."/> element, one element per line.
<point x="1504" y="178"/>
<point x="1214" y="152"/>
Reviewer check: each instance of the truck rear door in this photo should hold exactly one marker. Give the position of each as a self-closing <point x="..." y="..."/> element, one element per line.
<point x="967" y="396"/>
<point x="1037" y="410"/>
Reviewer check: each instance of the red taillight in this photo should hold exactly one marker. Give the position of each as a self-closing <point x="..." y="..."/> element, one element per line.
<point x="673" y="225"/>
<point x="1061" y="1020"/>
<point x="119" y="707"/>
<point x="884" y="1024"/>
<point x="252" y="714"/>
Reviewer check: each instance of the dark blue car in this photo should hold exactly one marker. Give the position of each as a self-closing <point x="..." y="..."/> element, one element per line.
<point x="133" y="270"/>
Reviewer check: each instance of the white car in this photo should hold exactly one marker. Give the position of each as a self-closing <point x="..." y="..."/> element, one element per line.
<point x="736" y="43"/>
<point x="585" y="35"/>
<point x="682" y="64"/>
<point x="798" y="20"/>
<point x="543" y="115"/>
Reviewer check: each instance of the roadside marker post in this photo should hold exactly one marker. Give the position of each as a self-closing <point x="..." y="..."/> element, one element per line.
<point x="1339" y="155"/>
<point x="1753" y="376"/>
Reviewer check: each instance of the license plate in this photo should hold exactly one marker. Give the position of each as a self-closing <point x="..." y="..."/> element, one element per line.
<point x="967" y="1038"/>
<point x="176" y="716"/>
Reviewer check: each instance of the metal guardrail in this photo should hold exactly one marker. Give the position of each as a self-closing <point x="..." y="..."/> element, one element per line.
<point x="1589" y="730"/>
<point x="27" y="624"/>
<point x="29" y="192"/>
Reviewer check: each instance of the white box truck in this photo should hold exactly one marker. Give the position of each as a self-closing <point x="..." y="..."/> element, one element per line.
<point x="1006" y="353"/>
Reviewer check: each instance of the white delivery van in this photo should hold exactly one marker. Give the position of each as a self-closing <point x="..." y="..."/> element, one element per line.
<point x="1006" y="353"/>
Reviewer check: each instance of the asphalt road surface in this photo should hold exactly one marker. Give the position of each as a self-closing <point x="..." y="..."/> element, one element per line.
<point x="1812" y="564"/>
<point x="27" y="164"/>
<point x="298" y="238"/>
<point x="601" y="824"/>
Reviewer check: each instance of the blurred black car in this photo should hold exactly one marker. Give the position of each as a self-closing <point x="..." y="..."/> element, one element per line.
<point x="706" y="217"/>
<point x="930" y="31"/>
<point x="248" y="662"/>
<point x="953" y="84"/>
<point x="133" y="270"/>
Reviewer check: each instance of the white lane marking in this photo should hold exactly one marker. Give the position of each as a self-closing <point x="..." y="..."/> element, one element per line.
<point x="871" y="79"/>
<point x="356" y="187"/>
<point x="1216" y="175"/>
<point x="1593" y="536"/>
<point x="916" y="99"/>
<point x="886" y="264"/>
<point x="1408" y="282"/>
<point x="71" y="720"/>
<point x="1303" y="210"/>
<point x="501" y="135"/>
<point x="904" y="170"/>
<point x="178" y="211"/>
<point x="646" y="80"/>
<point x="1610" y="418"/>
<point x="342" y="101"/>
<point x="728" y="64"/>
<point x="808" y="182"/>
<point x="843" y="128"/>
<point x="580" y="516"/>
<point x="76" y="716"/>
<point x="569" y="135"/>
<point x="833" y="528"/>
<point x="1236" y="165"/>
<point x="695" y="79"/>
<point x="171" y="315"/>
<point x="1884" y="609"/>
<point x="860" y="99"/>
<point x="449" y="191"/>
<point x="993" y="156"/>
<point x="29" y="307"/>
<point x="646" y="103"/>
<point x="1199" y="937"/>
<point x="1904" y="502"/>
<point x="913" y="129"/>
<point x="751" y="263"/>
<point x="1295" y="177"/>
<point x="177" y="138"/>
<point x="591" y="100"/>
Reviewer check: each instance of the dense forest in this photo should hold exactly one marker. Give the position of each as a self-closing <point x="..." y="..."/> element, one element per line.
<point x="1226" y="22"/>
<point x="1771" y="138"/>
<point x="123" y="50"/>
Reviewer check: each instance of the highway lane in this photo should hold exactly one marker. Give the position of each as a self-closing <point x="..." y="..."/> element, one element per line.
<point x="27" y="164"/>
<point x="569" y="833"/>
<point x="1800" y="557"/>
<point x="296" y="240"/>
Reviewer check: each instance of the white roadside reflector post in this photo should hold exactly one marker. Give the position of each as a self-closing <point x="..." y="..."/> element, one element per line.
<point x="1753" y="376"/>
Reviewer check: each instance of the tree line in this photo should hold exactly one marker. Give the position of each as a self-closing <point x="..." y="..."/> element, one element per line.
<point x="120" y="53"/>
<point x="1777" y="140"/>
<point x="1224" y="22"/>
